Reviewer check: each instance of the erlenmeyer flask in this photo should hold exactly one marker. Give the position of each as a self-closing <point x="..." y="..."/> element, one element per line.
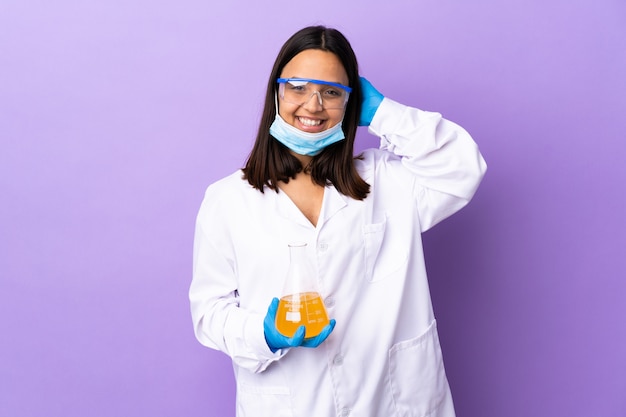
<point x="301" y="302"/>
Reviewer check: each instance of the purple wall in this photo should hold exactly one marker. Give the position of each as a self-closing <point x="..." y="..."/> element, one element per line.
<point x="114" y="117"/>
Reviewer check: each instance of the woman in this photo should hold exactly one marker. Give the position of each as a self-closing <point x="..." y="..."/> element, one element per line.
<point x="361" y="218"/>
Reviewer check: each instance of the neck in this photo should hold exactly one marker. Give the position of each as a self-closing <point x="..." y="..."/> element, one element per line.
<point x="305" y="160"/>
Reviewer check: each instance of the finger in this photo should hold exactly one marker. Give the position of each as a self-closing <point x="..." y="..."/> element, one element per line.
<point x="317" y="340"/>
<point x="273" y="308"/>
<point x="270" y="318"/>
<point x="298" y="337"/>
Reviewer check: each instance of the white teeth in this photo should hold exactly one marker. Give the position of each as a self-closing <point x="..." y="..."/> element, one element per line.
<point x="309" y="122"/>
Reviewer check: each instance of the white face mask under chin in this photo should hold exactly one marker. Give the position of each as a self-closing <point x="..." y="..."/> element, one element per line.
<point x="304" y="143"/>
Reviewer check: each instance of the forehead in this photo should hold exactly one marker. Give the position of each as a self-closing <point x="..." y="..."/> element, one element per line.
<point x="316" y="64"/>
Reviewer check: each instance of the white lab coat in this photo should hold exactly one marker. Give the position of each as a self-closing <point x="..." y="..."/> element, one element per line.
<point x="383" y="358"/>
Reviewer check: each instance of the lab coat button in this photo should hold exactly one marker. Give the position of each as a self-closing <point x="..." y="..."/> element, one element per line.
<point x="323" y="247"/>
<point x="338" y="360"/>
<point x="345" y="412"/>
<point x="329" y="302"/>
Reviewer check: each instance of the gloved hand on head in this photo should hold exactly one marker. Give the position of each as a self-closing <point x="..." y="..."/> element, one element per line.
<point x="275" y="340"/>
<point x="370" y="101"/>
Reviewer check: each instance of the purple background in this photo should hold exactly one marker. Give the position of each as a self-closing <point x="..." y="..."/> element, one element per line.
<point x="115" y="115"/>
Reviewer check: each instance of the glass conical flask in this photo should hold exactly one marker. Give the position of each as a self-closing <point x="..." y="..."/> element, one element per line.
<point x="301" y="302"/>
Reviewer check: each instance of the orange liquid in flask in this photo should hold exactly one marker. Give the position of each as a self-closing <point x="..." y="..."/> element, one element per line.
<point x="301" y="309"/>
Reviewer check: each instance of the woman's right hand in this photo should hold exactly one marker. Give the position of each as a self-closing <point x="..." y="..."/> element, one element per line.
<point x="276" y="340"/>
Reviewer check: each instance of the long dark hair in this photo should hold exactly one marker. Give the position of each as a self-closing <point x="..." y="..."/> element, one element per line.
<point x="270" y="161"/>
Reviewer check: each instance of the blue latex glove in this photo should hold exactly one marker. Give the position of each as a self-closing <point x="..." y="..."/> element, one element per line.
<point x="370" y="102"/>
<point x="275" y="340"/>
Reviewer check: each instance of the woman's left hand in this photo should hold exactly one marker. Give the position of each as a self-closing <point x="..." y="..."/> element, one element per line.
<point x="370" y="101"/>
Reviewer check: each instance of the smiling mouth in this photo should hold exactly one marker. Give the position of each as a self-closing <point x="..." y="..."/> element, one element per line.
<point x="309" y="122"/>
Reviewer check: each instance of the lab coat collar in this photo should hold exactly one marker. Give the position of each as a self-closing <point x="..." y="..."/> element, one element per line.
<point x="332" y="203"/>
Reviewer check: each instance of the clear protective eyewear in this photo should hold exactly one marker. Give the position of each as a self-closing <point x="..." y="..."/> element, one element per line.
<point x="300" y="90"/>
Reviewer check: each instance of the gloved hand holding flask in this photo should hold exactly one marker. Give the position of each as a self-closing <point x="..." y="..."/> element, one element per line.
<point x="275" y="340"/>
<point x="300" y="317"/>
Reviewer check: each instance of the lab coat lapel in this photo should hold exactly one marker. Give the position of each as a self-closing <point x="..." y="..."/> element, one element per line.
<point x="333" y="202"/>
<point x="286" y="208"/>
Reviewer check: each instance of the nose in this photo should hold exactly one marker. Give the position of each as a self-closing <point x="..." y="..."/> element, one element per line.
<point x="314" y="105"/>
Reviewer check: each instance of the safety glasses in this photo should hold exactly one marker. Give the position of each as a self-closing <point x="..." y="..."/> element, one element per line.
<point x="299" y="91"/>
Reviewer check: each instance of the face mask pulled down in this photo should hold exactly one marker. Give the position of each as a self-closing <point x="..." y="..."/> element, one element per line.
<point x="304" y="143"/>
